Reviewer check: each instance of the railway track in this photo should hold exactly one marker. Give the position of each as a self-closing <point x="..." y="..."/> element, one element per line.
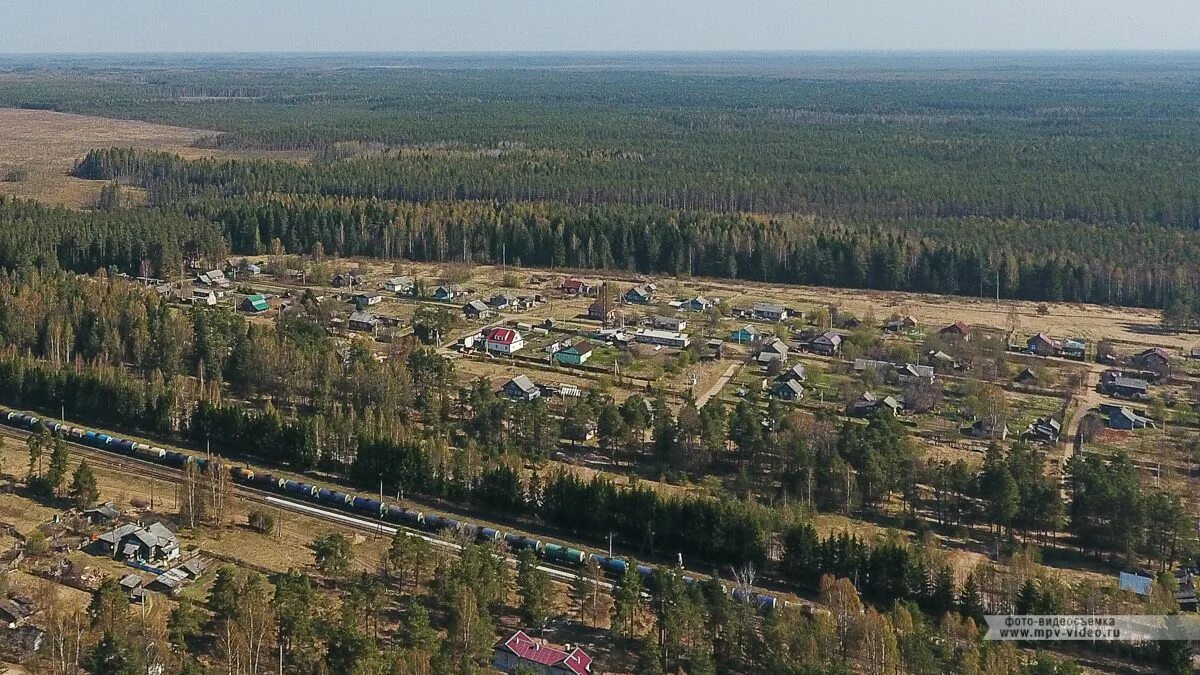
<point x="174" y="476"/>
<point x="155" y="469"/>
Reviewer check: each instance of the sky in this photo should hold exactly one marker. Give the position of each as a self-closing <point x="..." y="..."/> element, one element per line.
<point x="65" y="26"/>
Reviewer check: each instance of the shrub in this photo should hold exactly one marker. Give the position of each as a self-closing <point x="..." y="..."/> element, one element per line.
<point x="262" y="521"/>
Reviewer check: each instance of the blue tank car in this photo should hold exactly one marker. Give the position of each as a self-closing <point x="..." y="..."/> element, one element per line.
<point x="615" y="566"/>
<point x="368" y="505"/>
<point x="765" y="603"/>
<point x="397" y="514"/>
<point x="435" y="522"/>
<point x="519" y="542"/>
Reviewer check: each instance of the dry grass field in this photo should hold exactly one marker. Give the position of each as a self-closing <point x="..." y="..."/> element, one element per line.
<point x="44" y="146"/>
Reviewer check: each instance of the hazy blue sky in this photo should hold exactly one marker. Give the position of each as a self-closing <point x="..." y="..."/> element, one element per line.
<point x="524" y="25"/>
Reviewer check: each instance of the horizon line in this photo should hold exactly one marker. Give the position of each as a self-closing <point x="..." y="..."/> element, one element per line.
<point x="628" y="52"/>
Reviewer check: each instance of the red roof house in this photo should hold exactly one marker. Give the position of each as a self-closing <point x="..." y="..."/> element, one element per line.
<point x="504" y="340"/>
<point x="520" y="649"/>
<point x="576" y="287"/>
<point x="958" y="328"/>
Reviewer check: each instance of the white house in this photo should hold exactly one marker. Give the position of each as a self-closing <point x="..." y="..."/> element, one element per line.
<point x="504" y="341"/>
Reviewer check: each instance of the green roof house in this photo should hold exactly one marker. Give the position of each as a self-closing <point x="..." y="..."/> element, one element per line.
<point x="255" y="303"/>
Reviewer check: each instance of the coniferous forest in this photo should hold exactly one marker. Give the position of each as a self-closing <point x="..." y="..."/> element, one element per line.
<point x="1064" y="179"/>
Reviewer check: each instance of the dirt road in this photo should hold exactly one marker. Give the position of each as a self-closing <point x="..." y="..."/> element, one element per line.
<point x="720" y="384"/>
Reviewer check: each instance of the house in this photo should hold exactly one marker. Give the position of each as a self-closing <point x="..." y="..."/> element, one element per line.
<point x="745" y="335"/>
<point x="576" y="287"/>
<point x="990" y="429"/>
<point x="504" y="341"/>
<point x="575" y="355"/>
<point x="900" y="324"/>
<point x="600" y="311"/>
<point x="639" y="295"/>
<point x="699" y="304"/>
<point x="1155" y="359"/>
<point x="365" y="300"/>
<point x="170" y="582"/>
<point x="913" y="374"/>
<point x="521" y="388"/>
<point x="1043" y="345"/>
<point x="863" y="365"/>
<point x="16" y="645"/>
<point x="1026" y="377"/>
<point x="958" y="330"/>
<point x="868" y="404"/>
<point x="715" y="347"/>
<point x="522" y="650"/>
<point x="1127" y="420"/>
<point x="665" y="338"/>
<point x="204" y="296"/>
<point x="503" y="301"/>
<point x="155" y="543"/>
<point x="940" y="359"/>
<point x="165" y="291"/>
<point x="448" y="292"/>
<point x="399" y="285"/>
<point x="828" y="343"/>
<point x="788" y="390"/>
<point x="363" y="321"/>
<point x="130" y="583"/>
<point x="1042" y="430"/>
<point x="477" y="309"/>
<point x="214" y="278"/>
<point x="1194" y="353"/>
<point x="349" y="280"/>
<point x="765" y="311"/>
<point x="668" y="323"/>
<point x="775" y="350"/>
<point x="1074" y="348"/>
<point x="255" y="303"/>
<point x="99" y="515"/>
<point x="13" y="614"/>
<point x="1116" y="384"/>
<point x="796" y="372"/>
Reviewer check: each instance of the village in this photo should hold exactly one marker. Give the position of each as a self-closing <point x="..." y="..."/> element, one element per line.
<point x="534" y="334"/>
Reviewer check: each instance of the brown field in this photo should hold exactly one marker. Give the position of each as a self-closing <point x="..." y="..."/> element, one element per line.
<point x="47" y="144"/>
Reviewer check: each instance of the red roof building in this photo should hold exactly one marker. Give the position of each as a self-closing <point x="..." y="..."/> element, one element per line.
<point x="520" y="649"/>
<point x="957" y="328"/>
<point x="576" y="287"/>
<point x="504" y="340"/>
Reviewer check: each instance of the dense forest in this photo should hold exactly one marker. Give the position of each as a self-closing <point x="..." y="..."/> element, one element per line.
<point x="257" y="202"/>
<point x="1098" y="142"/>
<point x="1067" y="180"/>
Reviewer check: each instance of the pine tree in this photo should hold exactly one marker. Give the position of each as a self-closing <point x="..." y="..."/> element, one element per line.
<point x="113" y="656"/>
<point x="83" y="486"/>
<point x="533" y="585"/>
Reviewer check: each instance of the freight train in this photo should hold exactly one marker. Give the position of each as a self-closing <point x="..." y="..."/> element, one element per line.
<point x="364" y="506"/>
